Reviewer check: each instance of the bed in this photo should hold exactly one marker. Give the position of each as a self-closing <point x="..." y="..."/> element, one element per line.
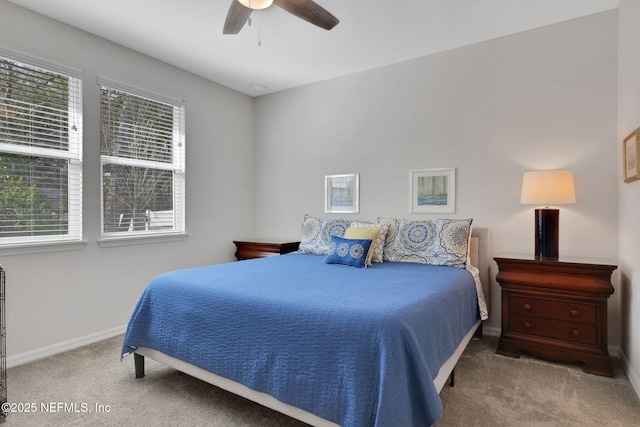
<point x="326" y="344"/>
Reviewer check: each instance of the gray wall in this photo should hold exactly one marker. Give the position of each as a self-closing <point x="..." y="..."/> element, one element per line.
<point x="541" y="99"/>
<point x="62" y="299"/>
<point x="628" y="120"/>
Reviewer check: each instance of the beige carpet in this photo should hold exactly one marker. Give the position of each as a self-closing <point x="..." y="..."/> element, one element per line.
<point x="495" y="390"/>
<point x="490" y="390"/>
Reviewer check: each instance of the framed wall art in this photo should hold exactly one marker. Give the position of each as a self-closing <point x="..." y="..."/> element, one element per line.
<point x="341" y="193"/>
<point x="631" y="151"/>
<point x="433" y="190"/>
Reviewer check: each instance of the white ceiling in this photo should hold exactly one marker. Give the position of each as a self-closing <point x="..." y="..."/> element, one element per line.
<point x="292" y="52"/>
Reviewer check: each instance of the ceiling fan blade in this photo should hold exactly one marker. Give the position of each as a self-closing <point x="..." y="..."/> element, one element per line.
<point x="310" y="12"/>
<point x="236" y="18"/>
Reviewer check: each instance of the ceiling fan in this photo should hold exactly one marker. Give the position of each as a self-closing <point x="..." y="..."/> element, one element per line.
<point x="308" y="10"/>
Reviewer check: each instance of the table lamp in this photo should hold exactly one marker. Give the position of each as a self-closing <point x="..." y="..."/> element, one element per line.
<point x="546" y="188"/>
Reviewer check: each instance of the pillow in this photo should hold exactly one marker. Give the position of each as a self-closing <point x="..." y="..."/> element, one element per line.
<point x="351" y="252"/>
<point x="317" y="232"/>
<point x="435" y="242"/>
<point x="377" y="247"/>
<point x="363" y="233"/>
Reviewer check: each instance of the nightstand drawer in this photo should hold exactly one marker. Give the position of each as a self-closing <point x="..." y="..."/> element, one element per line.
<point x="549" y="328"/>
<point x="560" y="310"/>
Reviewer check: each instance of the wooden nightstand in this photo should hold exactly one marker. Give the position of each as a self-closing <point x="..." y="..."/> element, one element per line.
<point x="262" y="249"/>
<point x="556" y="309"/>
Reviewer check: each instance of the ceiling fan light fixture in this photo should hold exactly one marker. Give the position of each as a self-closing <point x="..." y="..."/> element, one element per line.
<point x="256" y="4"/>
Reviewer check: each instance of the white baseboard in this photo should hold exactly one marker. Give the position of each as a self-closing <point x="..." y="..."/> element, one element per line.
<point x="633" y="376"/>
<point x="30" y="356"/>
<point x="491" y="331"/>
<point x="614" y="351"/>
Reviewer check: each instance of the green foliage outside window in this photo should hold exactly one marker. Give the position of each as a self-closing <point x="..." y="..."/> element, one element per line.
<point x="34" y="106"/>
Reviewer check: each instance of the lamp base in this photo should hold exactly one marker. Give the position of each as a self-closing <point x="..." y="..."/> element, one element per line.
<point x="547" y="232"/>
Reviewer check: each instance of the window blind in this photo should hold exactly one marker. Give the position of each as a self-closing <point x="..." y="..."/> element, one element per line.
<point x="142" y="156"/>
<point x="40" y="151"/>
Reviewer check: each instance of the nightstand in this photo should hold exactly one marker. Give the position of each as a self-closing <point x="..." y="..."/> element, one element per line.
<point x="262" y="249"/>
<point x="556" y="309"/>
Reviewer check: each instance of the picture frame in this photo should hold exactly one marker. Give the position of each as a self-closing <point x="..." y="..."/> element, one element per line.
<point x="433" y="190"/>
<point x="631" y="156"/>
<point x="342" y="193"/>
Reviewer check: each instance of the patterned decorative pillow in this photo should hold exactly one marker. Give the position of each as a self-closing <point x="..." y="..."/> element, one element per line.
<point x="377" y="247"/>
<point x="435" y="242"/>
<point x="353" y="252"/>
<point x="317" y="232"/>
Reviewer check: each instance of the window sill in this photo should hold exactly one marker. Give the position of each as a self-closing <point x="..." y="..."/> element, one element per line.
<point x="111" y="242"/>
<point x="37" y="248"/>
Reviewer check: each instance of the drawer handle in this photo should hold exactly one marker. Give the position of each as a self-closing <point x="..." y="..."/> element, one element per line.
<point x="527" y="325"/>
<point x="574" y="312"/>
<point x="575" y="332"/>
<point x="526" y="306"/>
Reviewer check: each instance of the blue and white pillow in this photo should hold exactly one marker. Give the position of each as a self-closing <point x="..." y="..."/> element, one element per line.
<point x="317" y="232"/>
<point x="351" y="252"/>
<point x="435" y="242"/>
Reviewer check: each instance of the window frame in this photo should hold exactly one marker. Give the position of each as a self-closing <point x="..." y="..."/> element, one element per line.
<point x="177" y="166"/>
<point x="73" y="154"/>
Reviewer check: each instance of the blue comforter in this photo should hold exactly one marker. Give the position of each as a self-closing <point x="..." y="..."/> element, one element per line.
<point x="359" y="347"/>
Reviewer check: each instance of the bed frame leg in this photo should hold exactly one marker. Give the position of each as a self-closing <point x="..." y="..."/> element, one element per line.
<point x="452" y="378"/>
<point x="138" y="360"/>
<point x="478" y="332"/>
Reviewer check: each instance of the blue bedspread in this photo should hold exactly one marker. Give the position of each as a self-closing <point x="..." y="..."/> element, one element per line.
<point x="359" y="347"/>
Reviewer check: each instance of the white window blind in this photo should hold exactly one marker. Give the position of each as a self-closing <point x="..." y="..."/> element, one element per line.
<point x="143" y="161"/>
<point x="40" y="151"/>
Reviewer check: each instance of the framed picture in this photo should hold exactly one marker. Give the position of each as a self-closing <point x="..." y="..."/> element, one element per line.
<point x="341" y="193"/>
<point x="433" y="190"/>
<point x="631" y="149"/>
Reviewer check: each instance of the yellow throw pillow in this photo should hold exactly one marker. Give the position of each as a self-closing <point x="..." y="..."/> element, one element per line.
<point x="363" y="233"/>
<point x="378" y="247"/>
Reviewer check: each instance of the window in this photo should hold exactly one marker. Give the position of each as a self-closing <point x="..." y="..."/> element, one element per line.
<point x="142" y="157"/>
<point x="40" y="151"/>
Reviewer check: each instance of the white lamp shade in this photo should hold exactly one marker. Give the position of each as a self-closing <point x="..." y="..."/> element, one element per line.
<point x="548" y="187"/>
<point x="256" y="4"/>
